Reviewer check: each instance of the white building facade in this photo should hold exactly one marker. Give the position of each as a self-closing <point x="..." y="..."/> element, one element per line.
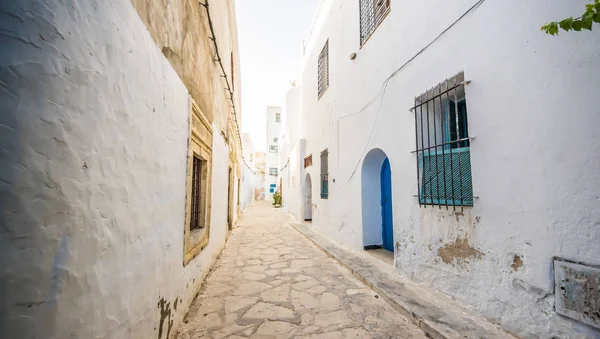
<point x="273" y="121"/>
<point x="463" y="139"/>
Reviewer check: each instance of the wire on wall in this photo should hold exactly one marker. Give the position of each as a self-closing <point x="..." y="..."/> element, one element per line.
<point x="229" y="89"/>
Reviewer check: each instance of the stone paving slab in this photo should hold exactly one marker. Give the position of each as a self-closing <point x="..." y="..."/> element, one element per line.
<point x="437" y="315"/>
<point x="272" y="282"/>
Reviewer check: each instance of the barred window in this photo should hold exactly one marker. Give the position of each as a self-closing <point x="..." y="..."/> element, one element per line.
<point x="273" y="171"/>
<point x="277" y="117"/>
<point x="273" y="149"/>
<point x="325" y="174"/>
<point x="443" y="145"/>
<point x="323" y="70"/>
<point x="308" y="161"/>
<point x="372" y="13"/>
<point x="195" y="220"/>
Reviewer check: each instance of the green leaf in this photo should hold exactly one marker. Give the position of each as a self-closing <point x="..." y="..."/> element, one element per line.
<point x="587" y="21"/>
<point x="597" y="17"/>
<point x="566" y="24"/>
<point x="577" y="25"/>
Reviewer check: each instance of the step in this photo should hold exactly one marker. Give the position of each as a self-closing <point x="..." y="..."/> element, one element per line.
<point x="436" y="314"/>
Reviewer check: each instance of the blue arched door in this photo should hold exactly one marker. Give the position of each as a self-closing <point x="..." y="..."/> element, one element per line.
<point x="386" y="206"/>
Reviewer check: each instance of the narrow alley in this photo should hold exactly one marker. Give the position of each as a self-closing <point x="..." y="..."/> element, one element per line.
<point x="271" y="282"/>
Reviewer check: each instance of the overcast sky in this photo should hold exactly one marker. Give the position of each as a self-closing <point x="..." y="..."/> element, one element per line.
<point x="270" y="38"/>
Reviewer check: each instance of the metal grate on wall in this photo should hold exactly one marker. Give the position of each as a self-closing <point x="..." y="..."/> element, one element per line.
<point x="372" y="13"/>
<point x="443" y="145"/>
<point x="196" y="182"/>
<point x="323" y="70"/>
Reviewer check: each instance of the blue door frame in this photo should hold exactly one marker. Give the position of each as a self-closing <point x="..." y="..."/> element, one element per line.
<point x="387" y="223"/>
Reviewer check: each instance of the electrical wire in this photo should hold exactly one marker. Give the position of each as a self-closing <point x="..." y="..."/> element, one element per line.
<point x="228" y="88"/>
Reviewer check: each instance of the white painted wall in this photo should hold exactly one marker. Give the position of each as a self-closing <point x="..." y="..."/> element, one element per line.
<point x="273" y="132"/>
<point x="92" y="176"/>
<point x="532" y="106"/>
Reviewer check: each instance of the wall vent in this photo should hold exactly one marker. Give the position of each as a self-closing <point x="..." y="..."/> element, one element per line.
<point x="577" y="291"/>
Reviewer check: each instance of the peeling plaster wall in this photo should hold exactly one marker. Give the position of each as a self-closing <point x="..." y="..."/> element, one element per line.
<point x="533" y="107"/>
<point x="93" y="148"/>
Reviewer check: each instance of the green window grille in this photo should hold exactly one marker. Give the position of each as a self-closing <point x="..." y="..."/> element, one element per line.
<point x="325" y="174"/>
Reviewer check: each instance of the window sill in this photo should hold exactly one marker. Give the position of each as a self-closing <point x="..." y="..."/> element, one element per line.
<point x="199" y="240"/>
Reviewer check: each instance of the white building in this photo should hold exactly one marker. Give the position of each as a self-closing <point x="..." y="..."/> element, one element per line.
<point x="273" y="117"/>
<point x="492" y="175"/>
<point x="119" y="163"/>
<point x="251" y="173"/>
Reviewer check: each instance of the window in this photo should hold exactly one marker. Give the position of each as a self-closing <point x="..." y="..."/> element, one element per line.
<point x="273" y="148"/>
<point x="277" y="117"/>
<point x="372" y="13"/>
<point x="195" y="221"/>
<point x="273" y="171"/>
<point x="251" y="157"/>
<point x="325" y="174"/>
<point x="443" y="145"/>
<point x="272" y="188"/>
<point x="308" y="161"/>
<point x="323" y="70"/>
<point x="198" y="186"/>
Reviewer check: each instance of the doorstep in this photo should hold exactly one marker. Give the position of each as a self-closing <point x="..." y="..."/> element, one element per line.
<point x="437" y="315"/>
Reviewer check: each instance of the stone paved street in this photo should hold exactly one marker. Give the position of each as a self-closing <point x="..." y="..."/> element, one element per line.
<point x="271" y="282"/>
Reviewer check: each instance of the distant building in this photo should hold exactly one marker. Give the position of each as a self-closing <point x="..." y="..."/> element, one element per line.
<point x="464" y="141"/>
<point x="273" y="117"/>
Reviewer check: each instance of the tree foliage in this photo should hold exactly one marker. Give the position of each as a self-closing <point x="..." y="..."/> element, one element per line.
<point x="585" y="21"/>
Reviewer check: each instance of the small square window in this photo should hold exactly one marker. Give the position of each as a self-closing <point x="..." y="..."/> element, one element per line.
<point x="277" y="117"/>
<point x="272" y="188"/>
<point x="308" y="161"/>
<point x="273" y="149"/>
<point x="273" y="171"/>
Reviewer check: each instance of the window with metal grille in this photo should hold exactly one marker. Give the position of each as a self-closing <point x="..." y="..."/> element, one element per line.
<point x="277" y="117"/>
<point x="273" y="148"/>
<point x="195" y="220"/>
<point x="323" y="70"/>
<point x="325" y="174"/>
<point x="272" y="188"/>
<point x="273" y="171"/>
<point x="443" y="145"/>
<point x="308" y="161"/>
<point x="372" y="13"/>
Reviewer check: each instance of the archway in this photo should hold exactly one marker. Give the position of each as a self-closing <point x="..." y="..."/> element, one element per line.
<point x="307" y="198"/>
<point x="377" y="215"/>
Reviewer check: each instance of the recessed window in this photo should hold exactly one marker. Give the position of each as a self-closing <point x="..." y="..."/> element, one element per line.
<point x="277" y="117"/>
<point x="372" y="13"/>
<point x="323" y="70"/>
<point x="443" y="145"/>
<point x="325" y="174"/>
<point x="308" y="161"/>
<point x="195" y="220"/>
<point x="273" y="149"/>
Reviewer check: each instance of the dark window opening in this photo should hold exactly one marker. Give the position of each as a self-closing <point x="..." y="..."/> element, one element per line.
<point x="325" y="174"/>
<point x="195" y="220"/>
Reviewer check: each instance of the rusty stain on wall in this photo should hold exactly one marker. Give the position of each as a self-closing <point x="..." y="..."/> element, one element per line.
<point x="459" y="252"/>
<point x="517" y="262"/>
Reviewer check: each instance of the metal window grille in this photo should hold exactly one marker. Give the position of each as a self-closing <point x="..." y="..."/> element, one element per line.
<point x="372" y="13"/>
<point x="277" y="117"/>
<point x="273" y="148"/>
<point x="325" y="174"/>
<point x="443" y="145"/>
<point x="323" y="70"/>
<point x="273" y="171"/>
<point x="308" y="161"/>
<point x="195" y="210"/>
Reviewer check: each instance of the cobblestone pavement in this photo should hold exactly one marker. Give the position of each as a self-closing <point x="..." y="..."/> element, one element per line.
<point x="271" y="282"/>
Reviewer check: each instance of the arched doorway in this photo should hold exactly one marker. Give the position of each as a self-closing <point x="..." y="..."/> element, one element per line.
<point x="307" y="198"/>
<point x="377" y="214"/>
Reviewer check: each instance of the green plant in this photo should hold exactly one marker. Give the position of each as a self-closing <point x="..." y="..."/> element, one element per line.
<point x="585" y="21"/>
<point x="277" y="199"/>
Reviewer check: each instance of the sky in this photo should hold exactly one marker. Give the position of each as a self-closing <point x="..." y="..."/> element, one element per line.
<point x="270" y="34"/>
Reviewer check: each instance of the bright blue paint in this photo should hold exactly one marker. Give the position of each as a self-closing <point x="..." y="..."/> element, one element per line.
<point x="386" y="206"/>
<point x="272" y="188"/>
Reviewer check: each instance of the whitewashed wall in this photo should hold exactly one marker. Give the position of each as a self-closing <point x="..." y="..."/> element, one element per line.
<point x="92" y="176"/>
<point x="533" y="108"/>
